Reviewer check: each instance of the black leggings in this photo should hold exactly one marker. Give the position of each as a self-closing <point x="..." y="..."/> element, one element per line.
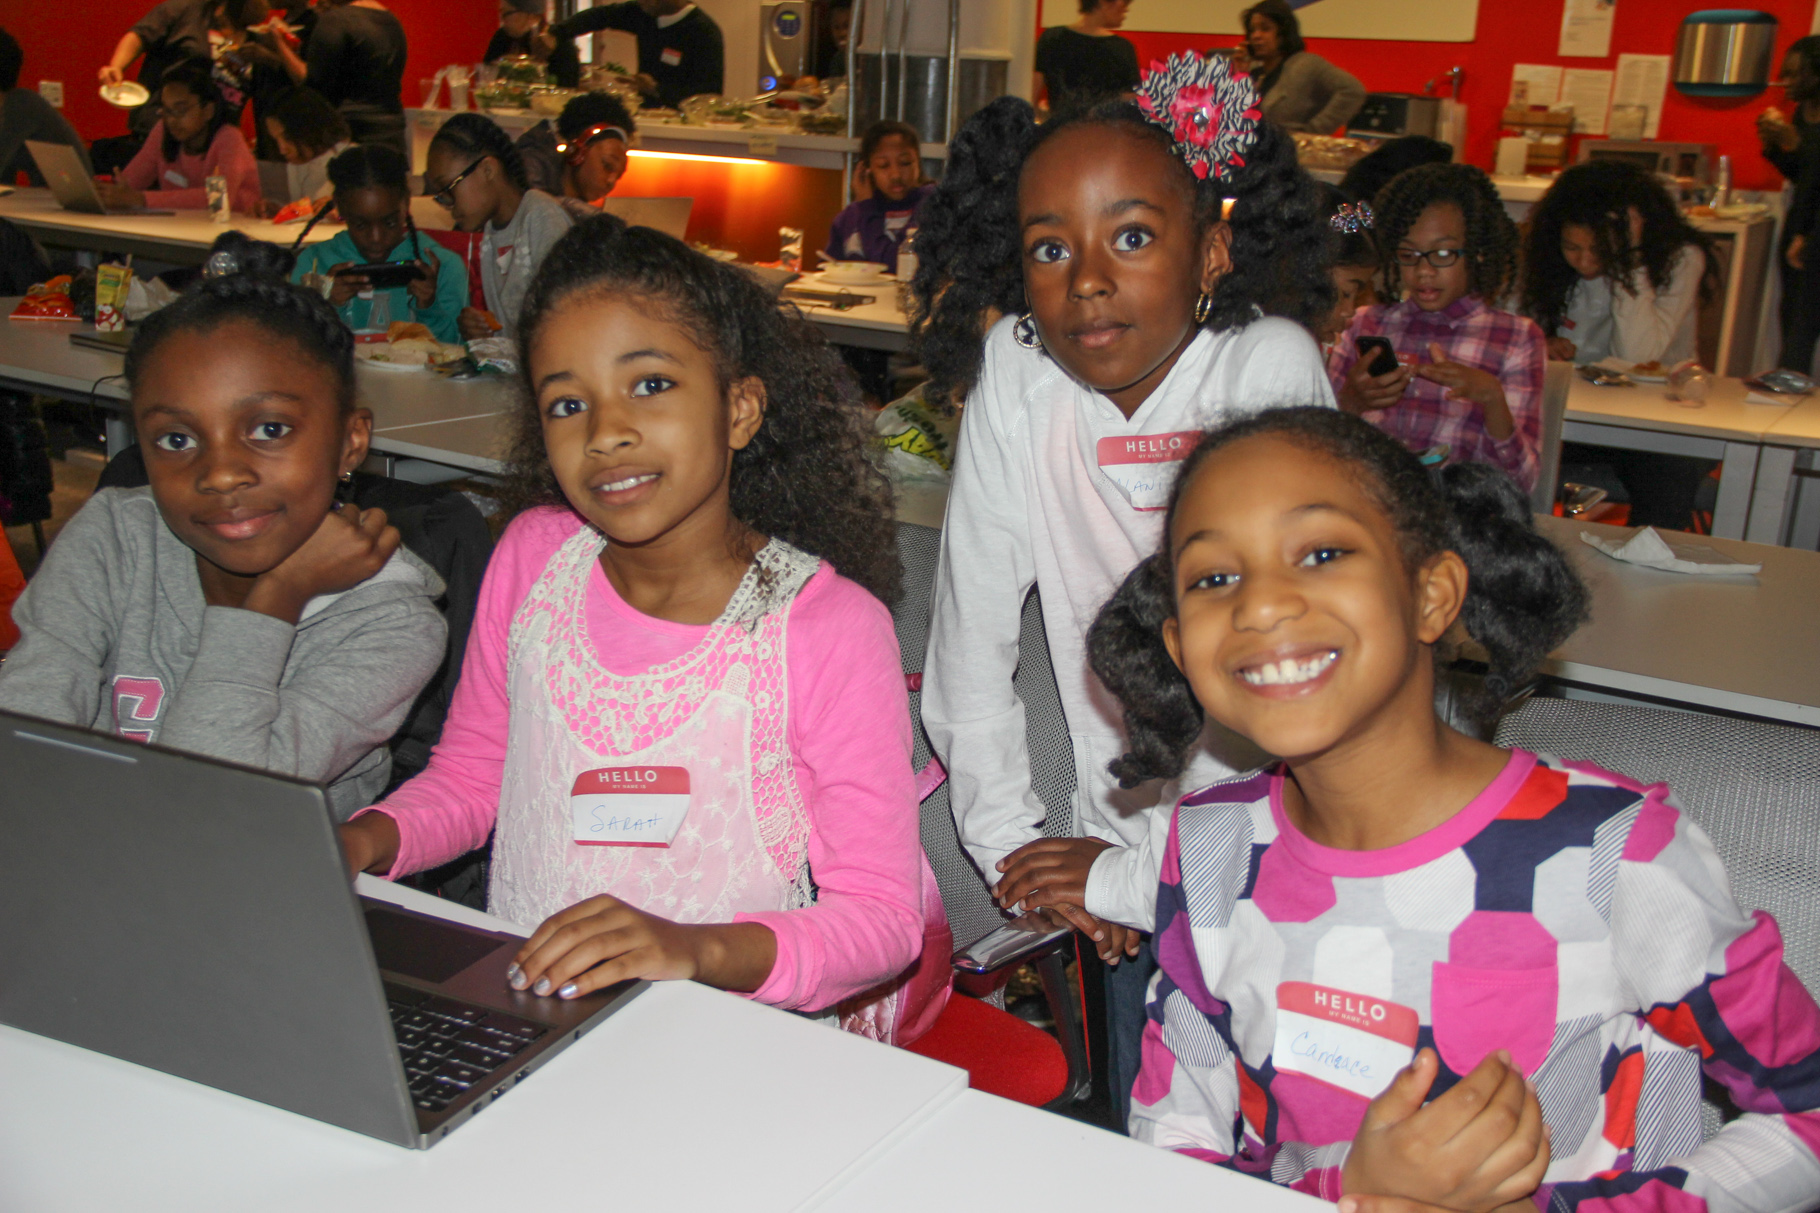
<point x="1800" y="313"/>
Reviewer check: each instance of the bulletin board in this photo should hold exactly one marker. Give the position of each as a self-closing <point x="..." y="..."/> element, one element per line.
<point x="1390" y="20"/>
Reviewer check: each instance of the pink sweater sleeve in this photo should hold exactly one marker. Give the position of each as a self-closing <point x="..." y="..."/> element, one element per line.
<point x="850" y="737"/>
<point x="449" y="808"/>
<point x="143" y="171"/>
<point x="227" y="154"/>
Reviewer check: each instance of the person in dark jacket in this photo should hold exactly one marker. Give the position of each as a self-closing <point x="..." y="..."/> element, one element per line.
<point x="1791" y="142"/>
<point x="680" y="53"/>
<point x="521" y="25"/>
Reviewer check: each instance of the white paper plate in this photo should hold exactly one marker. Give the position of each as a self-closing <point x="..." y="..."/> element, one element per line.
<point x="851" y="278"/>
<point x="395" y="367"/>
<point x="128" y="94"/>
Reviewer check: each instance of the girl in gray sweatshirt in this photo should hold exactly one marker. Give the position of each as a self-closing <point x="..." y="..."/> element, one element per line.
<point x="235" y="608"/>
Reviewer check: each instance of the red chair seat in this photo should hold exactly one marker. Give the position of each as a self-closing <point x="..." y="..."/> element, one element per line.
<point x="465" y="245"/>
<point x="1001" y="1053"/>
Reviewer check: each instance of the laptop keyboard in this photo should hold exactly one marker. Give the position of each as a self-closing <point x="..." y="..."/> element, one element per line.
<point x="448" y="1046"/>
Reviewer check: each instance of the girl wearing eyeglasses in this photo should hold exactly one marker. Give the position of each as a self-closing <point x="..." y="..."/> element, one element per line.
<point x="474" y="170"/>
<point x="192" y="141"/>
<point x="1468" y="380"/>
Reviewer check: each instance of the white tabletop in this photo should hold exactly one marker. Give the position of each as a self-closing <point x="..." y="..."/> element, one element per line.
<point x="1799" y="427"/>
<point x="687" y="1098"/>
<point x="1724" y="416"/>
<point x="181" y="237"/>
<point x="1740" y="644"/>
<point x="38" y="355"/>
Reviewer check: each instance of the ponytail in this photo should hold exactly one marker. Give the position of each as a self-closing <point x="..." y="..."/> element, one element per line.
<point x="1523" y="598"/>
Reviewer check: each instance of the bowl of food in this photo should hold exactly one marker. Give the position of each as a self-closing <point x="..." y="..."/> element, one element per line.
<point x="550" y="101"/>
<point x="853" y="273"/>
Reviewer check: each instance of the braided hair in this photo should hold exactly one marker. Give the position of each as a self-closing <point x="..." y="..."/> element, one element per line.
<point x="370" y="166"/>
<point x="805" y="477"/>
<point x="286" y="311"/>
<point x="1600" y="195"/>
<point x="970" y="254"/>
<point x="1491" y="238"/>
<point x="1522" y="600"/>
<point x="476" y="135"/>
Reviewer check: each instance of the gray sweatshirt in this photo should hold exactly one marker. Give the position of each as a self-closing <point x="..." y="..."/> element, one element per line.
<point x="115" y="635"/>
<point x="510" y="255"/>
<point x="1311" y="94"/>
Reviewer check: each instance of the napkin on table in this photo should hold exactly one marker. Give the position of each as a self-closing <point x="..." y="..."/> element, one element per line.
<point x="1649" y="549"/>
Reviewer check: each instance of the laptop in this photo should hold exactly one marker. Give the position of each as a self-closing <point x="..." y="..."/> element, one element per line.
<point x="668" y="215"/>
<point x="196" y="917"/>
<point x="70" y="183"/>
<point x="116" y="342"/>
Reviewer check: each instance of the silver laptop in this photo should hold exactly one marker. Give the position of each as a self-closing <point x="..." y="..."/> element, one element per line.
<point x="70" y="183"/>
<point x="668" y="215"/>
<point x="196" y="917"/>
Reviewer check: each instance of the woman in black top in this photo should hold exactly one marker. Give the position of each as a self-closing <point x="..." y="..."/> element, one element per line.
<point x="1792" y="144"/>
<point x="1078" y="62"/>
<point x="355" y="58"/>
<point x="521" y="23"/>
<point x="680" y="52"/>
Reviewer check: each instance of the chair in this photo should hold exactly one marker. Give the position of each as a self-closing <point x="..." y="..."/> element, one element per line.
<point x="1002" y="1054"/>
<point x="1754" y="787"/>
<point x="465" y="245"/>
<point x="1559" y="377"/>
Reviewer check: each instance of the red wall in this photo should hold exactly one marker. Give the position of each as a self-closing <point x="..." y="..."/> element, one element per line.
<point x="1521" y="31"/>
<point x="69" y="40"/>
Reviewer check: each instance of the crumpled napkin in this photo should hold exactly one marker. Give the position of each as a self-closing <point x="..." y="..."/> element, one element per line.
<point x="1649" y="549"/>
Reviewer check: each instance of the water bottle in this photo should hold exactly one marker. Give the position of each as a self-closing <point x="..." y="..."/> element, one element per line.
<point x="1722" y="191"/>
<point x="220" y="208"/>
<point x="906" y="269"/>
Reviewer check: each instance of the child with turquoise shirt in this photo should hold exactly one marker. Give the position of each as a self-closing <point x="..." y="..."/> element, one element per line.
<point x="373" y="197"/>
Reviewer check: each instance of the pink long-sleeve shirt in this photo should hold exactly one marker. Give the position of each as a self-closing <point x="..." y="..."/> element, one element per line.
<point x="179" y="184"/>
<point x="849" y="739"/>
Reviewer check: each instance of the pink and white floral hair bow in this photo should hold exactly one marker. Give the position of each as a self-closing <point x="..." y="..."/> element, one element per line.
<point x="1210" y="112"/>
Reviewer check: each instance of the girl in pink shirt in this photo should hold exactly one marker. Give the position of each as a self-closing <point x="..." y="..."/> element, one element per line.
<point x="191" y="142"/>
<point x="681" y="713"/>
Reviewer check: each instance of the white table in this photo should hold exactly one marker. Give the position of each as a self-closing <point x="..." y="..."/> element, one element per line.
<point x="1735" y="644"/>
<point x="879" y="325"/>
<point x="686" y="1099"/>
<point x="417" y="415"/>
<point x="1725" y="428"/>
<point x="180" y="239"/>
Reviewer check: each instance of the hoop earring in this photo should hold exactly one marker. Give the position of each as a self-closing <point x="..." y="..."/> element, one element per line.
<point x="1025" y="334"/>
<point x="1203" y="308"/>
<point x="344" y="490"/>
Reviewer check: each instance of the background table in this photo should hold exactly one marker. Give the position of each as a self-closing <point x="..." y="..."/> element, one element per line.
<point x="879" y="325"/>
<point x="181" y="239"/>
<point x="1733" y="644"/>
<point x="1725" y="429"/>
<point x="687" y="1098"/>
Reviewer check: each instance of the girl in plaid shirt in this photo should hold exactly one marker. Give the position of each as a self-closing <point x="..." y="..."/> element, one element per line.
<point x="1468" y="375"/>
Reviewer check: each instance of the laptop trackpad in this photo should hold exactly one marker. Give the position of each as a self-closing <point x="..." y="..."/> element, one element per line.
<point x="425" y="950"/>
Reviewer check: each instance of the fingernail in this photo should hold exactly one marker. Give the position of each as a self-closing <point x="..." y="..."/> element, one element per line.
<point x="567" y="991"/>
<point x="542" y="986"/>
<point x="513" y="972"/>
<point x="1348" y="1205"/>
<point x="519" y="980"/>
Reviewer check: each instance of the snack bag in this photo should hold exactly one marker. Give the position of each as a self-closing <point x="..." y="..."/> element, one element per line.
<point x="111" y="283"/>
<point x="918" y="439"/>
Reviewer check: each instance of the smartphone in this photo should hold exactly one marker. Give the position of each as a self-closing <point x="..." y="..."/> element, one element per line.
<point x="1385" y="360"/>
<point x="384" y="274"/>
<point x="1016" y="938"/>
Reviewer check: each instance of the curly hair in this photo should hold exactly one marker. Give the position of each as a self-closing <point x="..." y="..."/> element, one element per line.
<point x="970" y="252"/>
<point x="476" y="135"/>
<point x="1599" y="195"/>
<point x="1491" y="238"/>
<point x="286" y="311"/>
<point x="594" y="109"/>
<point x="805" y="477"/>
<point x="309" y="121"/>
<point x="1523" y="598"/>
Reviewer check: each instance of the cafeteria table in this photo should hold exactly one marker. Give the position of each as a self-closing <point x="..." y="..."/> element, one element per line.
<point x="416" y="414"/>
<point x="1726" y="428"/>
<point x="1729" y="644"/>
<point x="878" y="325"/>
<point x="688" y="1098"/>
<point x="179" y="239"/>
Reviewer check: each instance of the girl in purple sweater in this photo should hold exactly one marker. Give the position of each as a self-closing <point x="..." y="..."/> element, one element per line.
<point x="681" y="714"/>
<point x="873" y="228"/>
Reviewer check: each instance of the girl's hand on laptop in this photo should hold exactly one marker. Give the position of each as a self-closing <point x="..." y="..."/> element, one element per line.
<point x="349" y="546"/>
<point x="600" y="941"/>
<point x="1476" y="1148"/>
<point x="118" y="196"/>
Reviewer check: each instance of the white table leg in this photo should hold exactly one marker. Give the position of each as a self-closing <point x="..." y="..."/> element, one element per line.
<point x="1770" y="498"/>
<point x="1737" y="483"/>
<point x="118" y="429"/>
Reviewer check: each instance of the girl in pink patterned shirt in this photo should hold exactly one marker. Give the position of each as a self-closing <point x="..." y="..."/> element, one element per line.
<point x="1403" y="968"/>
<point x="684" y="725"/>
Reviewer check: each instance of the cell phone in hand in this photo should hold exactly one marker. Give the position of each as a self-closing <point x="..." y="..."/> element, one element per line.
<point x="998" y="948"/>
<point x="384" y="274"/>
<point x="1383" y="355"/>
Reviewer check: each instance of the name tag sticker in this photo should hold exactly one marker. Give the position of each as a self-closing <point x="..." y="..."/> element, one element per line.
<point x="671" y="56"/>
<point x="629" y="806"/>
<point x="1144" y="466"/>
<point x="1353" y="1041"/>
<point x="176" y="178"/>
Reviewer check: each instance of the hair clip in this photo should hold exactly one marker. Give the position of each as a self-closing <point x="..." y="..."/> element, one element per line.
<point x="222" y="264"/>
<point x="1211" y="113"/>
<point x="1353" y="217"/>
